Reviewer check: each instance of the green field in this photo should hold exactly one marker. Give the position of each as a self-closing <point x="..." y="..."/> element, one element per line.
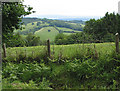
<point x="67" y="29"/>
<point x="68" y="51"/>
<point x="68" y="33"/>
<point x="41" y="30"/>
<point x="44" y="34"/>
<point x="82" y="25"/>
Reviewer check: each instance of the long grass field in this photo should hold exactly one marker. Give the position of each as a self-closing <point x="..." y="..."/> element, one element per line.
<point x="67" y="51"/>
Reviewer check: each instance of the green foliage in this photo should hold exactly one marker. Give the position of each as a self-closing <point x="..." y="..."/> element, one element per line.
<point x="25" y="72"/>
<point x="32" y="23"/>
<point x="25" y="76"/>
<point x="73" y="38"/>
<point x="104" y="29"/>
<point x="45" y="84"/>
<point x="87" y="74"/>
<point x="83" y="66"/>
<point x="61" y="39"/>
<point x="19" y="41"/>
<point x="16" y="41"/>
<point x="38" y="23"/>
<point x="29" y="20"/>
<point x="32" y="40"/>
<point x="19" y="85"/>
<point x="59" y="23"/>
<point x="11" y="16"/>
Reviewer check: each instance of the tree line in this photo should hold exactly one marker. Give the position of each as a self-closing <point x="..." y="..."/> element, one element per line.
<point x="104" y="28"/>
<point x="20" y="41"/>
<point x="95" y="31"/>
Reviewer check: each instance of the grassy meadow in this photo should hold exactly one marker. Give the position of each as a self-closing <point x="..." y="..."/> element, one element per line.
<point x="44" y="34"/>
<point x="66" y="29"/>
<point x="67" y="51"/>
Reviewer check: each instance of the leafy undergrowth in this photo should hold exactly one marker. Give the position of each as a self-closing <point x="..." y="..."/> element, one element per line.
<point x="73" y="74"/>
<point x="91" y="68"/>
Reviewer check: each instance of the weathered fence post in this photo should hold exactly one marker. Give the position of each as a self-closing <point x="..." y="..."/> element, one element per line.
<point x="4" y="50"/>
<point x="16" y="53"/>
<point x="96" y="54"/>
<point x="117" y="42"/>
<point x="25" y="52"/>
<point x="32" y="53"/>
<point x="48" y="47"/>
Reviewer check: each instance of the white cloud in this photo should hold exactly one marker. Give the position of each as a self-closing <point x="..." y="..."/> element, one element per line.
<point x="73" y="7"/>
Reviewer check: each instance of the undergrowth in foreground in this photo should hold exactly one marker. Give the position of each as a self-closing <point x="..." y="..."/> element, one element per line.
<point x="91" y="68"/>
<point x="88" y="74"/>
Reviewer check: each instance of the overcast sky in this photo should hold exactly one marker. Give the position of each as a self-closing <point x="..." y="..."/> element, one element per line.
<point x="73" y="7"/>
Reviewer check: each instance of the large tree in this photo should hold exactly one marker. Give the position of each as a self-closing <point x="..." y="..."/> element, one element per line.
<point x="12" y="13"/>
<point x="104" y="27"/>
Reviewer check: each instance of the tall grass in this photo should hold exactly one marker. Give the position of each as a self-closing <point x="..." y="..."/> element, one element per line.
<point x="61" y="52"/>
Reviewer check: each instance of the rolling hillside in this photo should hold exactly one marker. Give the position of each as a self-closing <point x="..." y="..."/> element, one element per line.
<point x="48" y="28"/>
<point x="47" y="33"/>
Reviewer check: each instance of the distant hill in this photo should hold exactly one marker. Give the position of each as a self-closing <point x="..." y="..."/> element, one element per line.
<point x="49" y="28"/>
<point x="72" y="20"/>
<point x="30" y="20"/>
<point x="47" y="33"/>
<point x="69" y="18"/>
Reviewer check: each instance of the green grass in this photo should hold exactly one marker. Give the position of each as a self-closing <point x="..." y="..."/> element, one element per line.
<point x="30" y="26"/>
<point x="68" y="33"/>
<point x="82" y="25"/>
<point x="66" y="51"/>
<point x="65" y="29"/>
<point x="44" y="34"/>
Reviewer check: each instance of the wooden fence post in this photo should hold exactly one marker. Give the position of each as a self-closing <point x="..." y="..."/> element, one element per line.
<point x="117" y="42"/>
<point x="25" y="53"/>
<point x="48" y="47"/>
<point x="4" y="50"/>
<point x="16" y="53"/>
<point x="0" y="54"/>
<point x="32" y="53"/>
